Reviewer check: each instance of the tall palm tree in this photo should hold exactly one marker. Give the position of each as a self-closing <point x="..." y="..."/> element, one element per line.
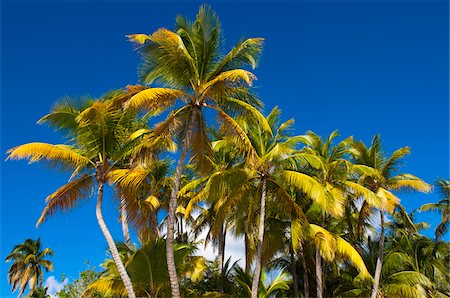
<point x="98" y="132"/>
<point x="29" y="258"/>
<point x="188" y="63"/>
<point x="443" y="206"/>
<point x="381" y="177"/>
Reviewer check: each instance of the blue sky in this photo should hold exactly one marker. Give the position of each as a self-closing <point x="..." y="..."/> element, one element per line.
<point x="361" y="67"/>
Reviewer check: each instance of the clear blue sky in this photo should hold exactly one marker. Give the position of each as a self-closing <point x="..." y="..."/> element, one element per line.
<point x="361" y="67"/>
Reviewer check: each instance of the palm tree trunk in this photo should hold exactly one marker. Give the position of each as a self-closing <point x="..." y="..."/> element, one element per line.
<point x="257" y="273"/>
<point x="377" y="276"/>
<point x="112" y="246"/>
<point x="171" y="216"/>
<point x="125" y="230"/>
<point x="294" y="273"/>
<point x="247" y="253"/>
<point x="319" y="274"/>
<point x="154" y="224"/>
<point x="181" y="228"/>
<point x="221" y="256"/>
<point x="305" y="270"/>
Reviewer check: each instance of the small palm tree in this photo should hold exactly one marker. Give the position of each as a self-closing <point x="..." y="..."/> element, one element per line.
<point x="188" y="63"/>
<point x="443" y="206"/>
<point x="148" y="270"/>
<point x="28" y="261"/>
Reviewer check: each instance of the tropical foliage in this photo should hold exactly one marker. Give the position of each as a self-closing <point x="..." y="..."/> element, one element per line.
<point x="29" y="259"/>
<point x="319" y="217"/>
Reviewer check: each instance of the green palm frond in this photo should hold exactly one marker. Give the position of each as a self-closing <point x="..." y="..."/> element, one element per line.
<point x="245" y="52"/>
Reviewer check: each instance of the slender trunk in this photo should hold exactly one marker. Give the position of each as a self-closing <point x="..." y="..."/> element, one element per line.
<point x="154" y="224"/>
<point x="319" y="274"/>
<point x="257" y="273"/>
<point x="181" y="229"/>
<point x="247" y="253"/>
<point x="221" y="256"/>
<point x="305" y="270"/>
<point x="171" y="216"/>
<point x="125" y="230"/>
<point x="379" y="259"/>
<point x="294" y="273"/>
<point x="112" y="246"/>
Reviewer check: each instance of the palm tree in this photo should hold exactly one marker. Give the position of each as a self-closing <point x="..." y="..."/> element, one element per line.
<point x="443" y="206"/>
<point x="380" y="176"/>
<point x="98" y="131"/>
<point x="187" y="61"/>
<point x="29" y="258"/>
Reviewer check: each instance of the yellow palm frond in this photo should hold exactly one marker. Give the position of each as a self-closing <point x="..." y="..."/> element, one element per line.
<point x="67" y="196"/>
<point x="251" y="112"/>
<point x="313" y="160"/>
<point x="154" y="99"/>
<point x="234" y="76"/>
<point x="197" y="266"/>
<point x="197" y="198"/>
<point x="370" y="197"/>
<point x="415" y="184"/>
<point x="181" y="210"/>
<point x="330" y="244"/>
<point x="191" y="186"/>
<point x="391" y="200"/>
<point x="58" y="154"/>
<point x="172" y="43"/>
<point x="311" y="187"/>
<point x="138" y="133"/>
<point x="345" y="249"/>
<point x="339" y="199"/>
<point x="97" y="113"/>
<point x="138" y="38"/>
<point x="153" y="201"/>
<point x="128" y="178"/>
<point x="324" y="241"/>
<point x="296" y="233"/>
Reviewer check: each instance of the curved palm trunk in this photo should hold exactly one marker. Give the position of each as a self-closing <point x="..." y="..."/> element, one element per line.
<point x="319" y="274"/>
<point x="171" y="216"/>
<point x="112" y="246"/>
<point x="377" y="276"/>
<point x="305" y="270"/>
<point x="257" y="273"/>
<point x="125" y="229"/>
<point x="294" y="273"/>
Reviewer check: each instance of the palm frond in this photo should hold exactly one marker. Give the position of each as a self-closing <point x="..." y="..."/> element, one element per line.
<point x="67" y="196"/>
<point x="55" y="154"/>
<point x="154" y="99"/>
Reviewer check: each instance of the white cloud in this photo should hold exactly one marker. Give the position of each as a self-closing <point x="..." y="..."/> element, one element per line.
<point x="54" y="286"/>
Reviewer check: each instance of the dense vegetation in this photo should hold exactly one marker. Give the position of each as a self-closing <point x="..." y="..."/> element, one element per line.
<point x="305" y="205"/>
